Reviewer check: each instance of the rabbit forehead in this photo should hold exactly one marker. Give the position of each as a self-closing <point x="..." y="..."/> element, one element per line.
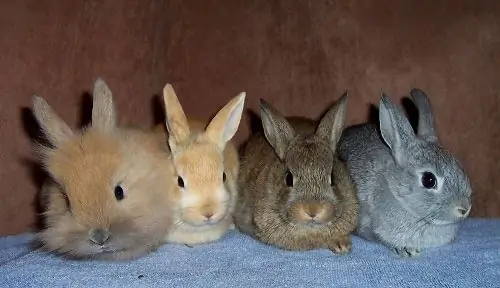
<point x="201" y="167"/>
<point x="309" y="155"/>
<point x="426" y="155"/>
<point x="200" y="161"/>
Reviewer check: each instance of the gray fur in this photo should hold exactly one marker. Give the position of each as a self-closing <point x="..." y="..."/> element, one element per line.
<point x="386" y="168"/>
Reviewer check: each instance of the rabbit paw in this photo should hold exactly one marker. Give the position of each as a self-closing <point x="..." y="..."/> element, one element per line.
<point x="341" y="246"/>
<point x="407" y="252"/>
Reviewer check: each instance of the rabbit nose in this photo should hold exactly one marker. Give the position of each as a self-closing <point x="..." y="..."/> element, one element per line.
<point x="208" y="215"/>
<point x="312" y="214"/>
<point x="99" y="236"/>
<point x="312" y="211"/>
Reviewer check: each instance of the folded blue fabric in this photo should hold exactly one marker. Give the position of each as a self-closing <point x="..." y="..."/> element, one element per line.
<point x="239" y="261"/>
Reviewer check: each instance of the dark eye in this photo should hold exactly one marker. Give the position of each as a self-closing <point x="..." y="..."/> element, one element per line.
<point x="119" y="192"/>
<point x="223" y="177"/>
<point x="288" y="178"/>
<point x="429" y="180"/>
<point x="180" y="182"/>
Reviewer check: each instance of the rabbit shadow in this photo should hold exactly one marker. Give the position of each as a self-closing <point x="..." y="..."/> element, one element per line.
<point x="411" y="112"/>
<point x="409" y="109"/>
<point x="254" y="124"/>
<point x="36" y="174"/>
<point x="254" y="121"/>
<point x="158" y="109"/>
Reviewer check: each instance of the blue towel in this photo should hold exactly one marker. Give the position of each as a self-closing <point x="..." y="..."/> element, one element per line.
<point x="239" y="261"/>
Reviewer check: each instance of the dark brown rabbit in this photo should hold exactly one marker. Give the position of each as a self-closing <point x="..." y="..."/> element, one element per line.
<point x="295" y="193"/>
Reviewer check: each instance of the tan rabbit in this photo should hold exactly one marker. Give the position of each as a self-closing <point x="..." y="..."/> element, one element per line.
<point x="106" y="197"/>
<point x="294" y="192"/>
<point x="206" y="165"/>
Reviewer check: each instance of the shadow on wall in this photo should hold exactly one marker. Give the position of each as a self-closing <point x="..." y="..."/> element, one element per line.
<point x="407" y="105"/>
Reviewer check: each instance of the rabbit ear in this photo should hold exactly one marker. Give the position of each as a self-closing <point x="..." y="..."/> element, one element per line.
<point x="395" y="128"/>
<point x="103" y="109"/>
<point x="426" y="125"/>
<point x="225" y="123"/>
<point x="177" y="124"/>
<point x="332" y="124"/>
<point x="56" y="130"/>
<point x="277" y="130"/>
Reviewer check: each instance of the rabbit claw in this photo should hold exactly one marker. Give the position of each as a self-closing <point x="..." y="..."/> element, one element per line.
<point x="341" y="246"/>
<point x="407" y="252"/>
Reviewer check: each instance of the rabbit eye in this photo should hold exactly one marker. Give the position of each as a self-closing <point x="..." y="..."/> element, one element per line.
<point x="288" y="178"/>
<point x="429" y="180"/>
<point x="119" y="193"/>
<point x="180" y="182"/>
<point x="223" y="177"/>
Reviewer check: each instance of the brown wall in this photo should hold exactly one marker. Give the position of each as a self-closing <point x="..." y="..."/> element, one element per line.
<point x="299" y="55"/>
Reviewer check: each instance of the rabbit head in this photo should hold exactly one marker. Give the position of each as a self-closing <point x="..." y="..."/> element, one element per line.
<point x="198" y="160"/>
<point x="306" y="190"/>
<point x="431" y="185"/>
<point x="105" y="185"/>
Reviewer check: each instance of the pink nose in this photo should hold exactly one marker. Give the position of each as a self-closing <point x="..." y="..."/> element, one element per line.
<point x="208" y="215"/>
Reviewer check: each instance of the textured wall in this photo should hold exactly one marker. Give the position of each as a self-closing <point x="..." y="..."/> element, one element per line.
<point x="299" y="55"/>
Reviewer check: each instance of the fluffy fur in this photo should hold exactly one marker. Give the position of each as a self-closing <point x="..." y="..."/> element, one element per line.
<point x="85" y="167"/>
<point x="320" y="209"/>
<point x="387" y="168"/>
<point x="201" y="155"/>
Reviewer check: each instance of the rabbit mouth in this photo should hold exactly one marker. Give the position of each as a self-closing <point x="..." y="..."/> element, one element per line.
<point x="108" y="249"/>
<point x="438" y="222"/>
<point x="201" y="223"/>
<point x="314" y="224"/>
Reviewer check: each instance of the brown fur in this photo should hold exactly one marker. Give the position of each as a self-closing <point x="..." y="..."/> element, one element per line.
<point x="201" y="153"/>
<point x="275" y="214"/>
<point x="85" y="168"/>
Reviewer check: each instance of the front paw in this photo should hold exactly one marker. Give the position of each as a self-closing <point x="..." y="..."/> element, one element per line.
<point x="341" y="246"/>
<point x="407" y="252"/>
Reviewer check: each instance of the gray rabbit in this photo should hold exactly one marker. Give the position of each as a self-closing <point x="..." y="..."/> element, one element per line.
<point x="413" y="193"/>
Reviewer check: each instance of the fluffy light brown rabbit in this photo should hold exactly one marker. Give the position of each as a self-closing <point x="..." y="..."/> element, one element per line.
<point x="206" y="165"/>
<point x="106" y="196"/>
<point x="294" y="192"/>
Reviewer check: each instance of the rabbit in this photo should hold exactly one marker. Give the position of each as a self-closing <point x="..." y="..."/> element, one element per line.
<point x="412" y="192"/>
<point x="206" y="164"/>
<point x="294" y="192"/>
<point x="105" y="197"/>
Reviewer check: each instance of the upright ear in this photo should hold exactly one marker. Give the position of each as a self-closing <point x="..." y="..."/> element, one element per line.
<point x="395" y="129"/>
<point x="277" y="130"/>
<point x="103" y="109"/>
<point x="225" y="123"/>
<point x="331" y="125"/>
<point x="426" y="127"/>
<point x="177" y="124"/>
<point x="56" y="130"/>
